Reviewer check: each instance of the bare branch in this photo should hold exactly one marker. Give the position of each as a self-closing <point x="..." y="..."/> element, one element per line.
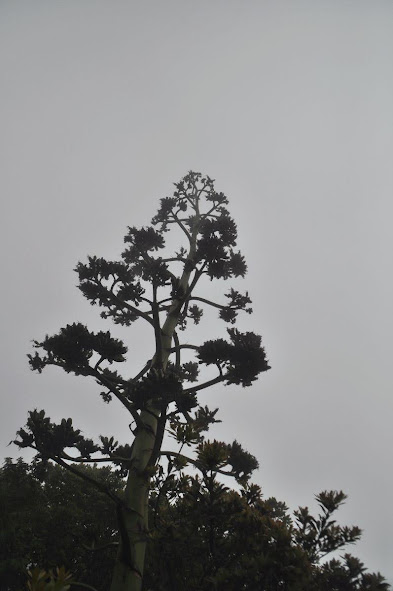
<point x="204" y="385"/>
<point x="205" y="301"/>
<point x="83" y="460"/>
<point x="211" y="211"/>
<point x="174" y="349"/>
<point x="88" y="478"/>
<point x="197" y="276"/>
<point x="157" y="329"/>
<point x="174" y="259"/>
<point x="101" y="359"/>
<point x="180" y="224"/>
<point x="199" y="193"/>
<point x="106" y="382"/>
<point x="165" y="300"/>
<point x="141" y="373"/>
<point x="147" y="301"/>
<point x="177" y="349"/>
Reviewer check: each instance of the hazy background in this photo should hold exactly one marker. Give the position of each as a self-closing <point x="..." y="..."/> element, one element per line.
<point x="288" y="105"/>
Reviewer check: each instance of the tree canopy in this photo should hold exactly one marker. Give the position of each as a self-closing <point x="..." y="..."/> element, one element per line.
<point x="204" y="535"/>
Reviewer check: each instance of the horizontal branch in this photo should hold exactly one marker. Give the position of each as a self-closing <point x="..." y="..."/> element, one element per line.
<point x="204" y="385"/>
<point x="83" y="460"/>
<point x="165" y="300"/>
<point x="182" y="457"/>
<point x="195" y="463"/>
<point x="185" y="346"/>
<point x="174" y="259"/>
<point x="205" y="301"/>
<point x="88" y="478"/>
<point x="146" y="300"/>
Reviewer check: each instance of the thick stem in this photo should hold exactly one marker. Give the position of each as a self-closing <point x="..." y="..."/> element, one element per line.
<point x="133" y="514"/>
<point x="133" y="528"/>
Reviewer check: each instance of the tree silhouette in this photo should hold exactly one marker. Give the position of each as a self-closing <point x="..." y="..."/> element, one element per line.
<point x="160" y="290"/>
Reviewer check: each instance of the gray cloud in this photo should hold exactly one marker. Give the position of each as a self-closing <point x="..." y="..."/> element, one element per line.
<point x="288" y="106"/>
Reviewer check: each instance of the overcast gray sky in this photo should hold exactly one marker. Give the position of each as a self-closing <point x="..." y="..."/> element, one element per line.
<point x="288" y="105"/>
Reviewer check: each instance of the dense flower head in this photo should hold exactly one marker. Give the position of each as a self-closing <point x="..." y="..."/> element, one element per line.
<point x="73" y="347"/>
<point x="244" y="357"/>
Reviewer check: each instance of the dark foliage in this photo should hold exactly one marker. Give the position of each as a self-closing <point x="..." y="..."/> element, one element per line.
<point x="51" y="518"/>
<point x="202" y="533"/>
<point x="243" y="358"/>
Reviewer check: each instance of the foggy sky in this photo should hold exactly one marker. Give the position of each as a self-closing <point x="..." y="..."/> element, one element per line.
<point x="288" y="105"/>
